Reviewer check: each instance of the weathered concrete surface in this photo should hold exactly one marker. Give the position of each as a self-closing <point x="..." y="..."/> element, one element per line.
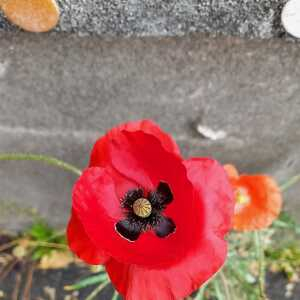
<point x="249" y="18"/>
<point x="59" y="93"/>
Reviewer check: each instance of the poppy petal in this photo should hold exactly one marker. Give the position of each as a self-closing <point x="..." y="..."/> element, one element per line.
<point x="81" y="245"/>
<point x="211" y="180"/>
<point x="128" y="230"/>
<point x="231" y="171"/>
<point x="176" y="282"/>
<point x="164" y="227"/>
<point x="152" y="128"/>
<point x="98" y="208"/>
<point x="100" y="155"/>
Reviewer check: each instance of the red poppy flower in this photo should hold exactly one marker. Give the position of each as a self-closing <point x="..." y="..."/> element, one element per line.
<point x="257" y="200"/>
<point x="156" y="221"/>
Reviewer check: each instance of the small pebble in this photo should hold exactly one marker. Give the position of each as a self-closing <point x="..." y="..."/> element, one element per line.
<point x="31" y="15"/>
<point x="209" y="133"/>
<point x="290" y="18"/>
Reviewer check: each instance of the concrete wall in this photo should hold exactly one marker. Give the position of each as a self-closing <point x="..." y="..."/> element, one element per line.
<point x="247" y="18"/>
<point x="59" y="92"/>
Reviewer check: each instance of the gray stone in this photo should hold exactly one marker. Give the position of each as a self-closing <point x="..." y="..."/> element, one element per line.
<point x="250" y="18"/>
<point x="60" y="92"/>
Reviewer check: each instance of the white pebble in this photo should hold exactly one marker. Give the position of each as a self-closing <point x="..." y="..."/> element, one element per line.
<point x="290" y="18"/>
<point x="211" y="134"/>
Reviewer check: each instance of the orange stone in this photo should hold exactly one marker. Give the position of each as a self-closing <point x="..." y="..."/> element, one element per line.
<point x="31" y="15"/>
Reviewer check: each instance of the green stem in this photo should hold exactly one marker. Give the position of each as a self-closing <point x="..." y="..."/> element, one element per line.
<point x="225" y="285"/>
<point x="290" y="182"/>
<point x="92" y="280"/>
<point x="200" y="293"/>
<point x="261" y="261"/>
<point x="48" y="245"/>
<point x="216" y="286"/>
<point x="42" y="158"/>
<point x="97" y="290"/>
<point x="115" y="296"/>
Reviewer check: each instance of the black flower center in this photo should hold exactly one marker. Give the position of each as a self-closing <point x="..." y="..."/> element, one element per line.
<point x="144" y="211"/>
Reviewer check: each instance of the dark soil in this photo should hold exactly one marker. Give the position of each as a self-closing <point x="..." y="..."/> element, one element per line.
<point x="276" y="288"/>
<point x="49" y="285"/>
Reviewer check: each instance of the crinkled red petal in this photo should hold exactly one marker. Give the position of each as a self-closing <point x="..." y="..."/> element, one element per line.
<point x="175" y="282"/>
<point x="152" y="128"/>
<point x="211" y="180"/>
<point x="81" y="245"/>
<point x="100" y="155"/>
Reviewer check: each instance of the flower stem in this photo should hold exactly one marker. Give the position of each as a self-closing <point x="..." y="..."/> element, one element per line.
<point x="290" y="182"/>
<point x="218" y="292"/>
<point x="48" y="245"/>
<point x="225" y="285"/>
<point x="115" y="296"/>
<point x="200" y="293"/>
<point x="261" y="261"/>
<point x="97" y="290"/>
<point x="92" y="280"/>
<point x="42" y="158"/>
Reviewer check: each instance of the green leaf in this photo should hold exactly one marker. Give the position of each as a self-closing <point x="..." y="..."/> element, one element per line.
<point x="39" y="252"/>
<point x="40" y="231"/>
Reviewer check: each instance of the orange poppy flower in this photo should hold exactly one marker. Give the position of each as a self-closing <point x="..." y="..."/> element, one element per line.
<point x="258" y="200"/>
<point x="31" y="15"/>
